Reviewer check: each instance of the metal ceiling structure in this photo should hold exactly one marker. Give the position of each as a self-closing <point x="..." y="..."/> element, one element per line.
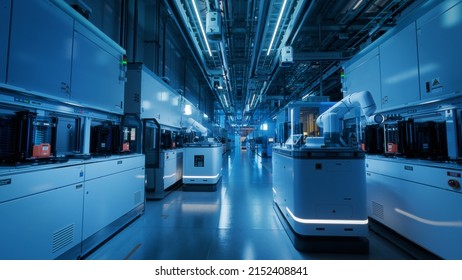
<point x="242" y="58"/>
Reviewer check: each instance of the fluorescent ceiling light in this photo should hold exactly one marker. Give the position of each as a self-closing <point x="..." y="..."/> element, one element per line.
<point x="225" y="101"/>
<point x="277" y="26"/>
<point x="202" y="28"/>
<point x="357" y="4"/>
<point x="253" y="98"/>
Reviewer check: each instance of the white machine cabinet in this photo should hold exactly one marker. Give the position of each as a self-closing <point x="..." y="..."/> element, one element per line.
<point x="40" y="51"/>
<point x="150" y="97"/>
<point x="167" y="173"/>
<point x="439" y="46"/>
<point x="364" y="74"/>
<point x="202" y="163"/>
<point x="420" y="200"/>
<point x="113" y="188"/>
<point x="98" y="78"/>
<point x="41" y="212"/>
<point x="5" y="7"/>
<point x="399" y="69"/>
<point x="321" y="194"/>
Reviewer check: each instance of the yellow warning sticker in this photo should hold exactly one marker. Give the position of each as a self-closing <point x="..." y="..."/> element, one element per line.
<point x="436" y="83"/>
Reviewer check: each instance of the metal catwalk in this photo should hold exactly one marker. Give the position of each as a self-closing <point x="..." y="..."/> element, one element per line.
<point x="236" y="222"/>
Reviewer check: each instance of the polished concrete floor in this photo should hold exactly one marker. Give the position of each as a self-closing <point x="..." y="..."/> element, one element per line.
<point x="237" y="222"/>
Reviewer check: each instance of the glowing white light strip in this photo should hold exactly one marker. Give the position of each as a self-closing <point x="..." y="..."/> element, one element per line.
<point x="277" y="26"/>
<point x="251" y="102"/>
<point x="169" y="176"/>
<point x="201" y="177"/>
<point x="274" y="191"/>
<point x="323" y="221"/>
<point x="202" y="28"/>
<point x="357" y="4"/>
<point x="429" y="222"/>
<point x="225" y="101"/>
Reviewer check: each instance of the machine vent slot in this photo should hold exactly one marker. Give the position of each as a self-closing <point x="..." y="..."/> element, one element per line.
<point x="137" y="197"/>
<point x="377" y="209"/>
<point x="62" y="238"/>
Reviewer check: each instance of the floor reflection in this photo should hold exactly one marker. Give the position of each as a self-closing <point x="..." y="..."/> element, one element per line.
<point x="235" y="222"/>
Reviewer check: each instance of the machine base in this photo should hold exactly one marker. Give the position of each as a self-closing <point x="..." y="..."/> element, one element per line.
<point x="98" y="239"/>
<point x="402" y="242"/>
<point x="330" y="244"/>
<point x="161" y="194"/>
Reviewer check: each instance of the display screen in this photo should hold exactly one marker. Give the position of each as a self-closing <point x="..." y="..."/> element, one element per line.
<point x="198" y="160"/>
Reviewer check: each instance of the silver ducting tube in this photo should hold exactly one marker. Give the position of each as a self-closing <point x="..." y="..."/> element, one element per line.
<point x="330" y="119"/>
<point x="361" y="99"/>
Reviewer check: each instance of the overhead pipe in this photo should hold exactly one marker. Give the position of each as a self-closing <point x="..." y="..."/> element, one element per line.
<point x="123" y="25"/>
<point x="189" y="44"/>
<point x="256" y="51"/>
<point x="262" y="14"/>
<point x="299" y="23"/>
<point x="135" y="35"/>
<point x="224" y="59"/>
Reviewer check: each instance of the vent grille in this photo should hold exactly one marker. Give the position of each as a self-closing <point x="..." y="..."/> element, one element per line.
<point x="137" y="197"/>
<point x="377" y="209"/>
<point x="63" y="237"/>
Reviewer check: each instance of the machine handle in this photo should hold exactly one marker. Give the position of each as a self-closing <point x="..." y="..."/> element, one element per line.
<point x="4" y="182"/>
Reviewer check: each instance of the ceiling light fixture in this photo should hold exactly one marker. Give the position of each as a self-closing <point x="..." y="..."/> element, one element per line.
<point x="253" y="98"/>
<point x="357" y="4"/>
<point x="225" y="101"/>
<point x="202" y="28"/>
<point x="277" y="26"/>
